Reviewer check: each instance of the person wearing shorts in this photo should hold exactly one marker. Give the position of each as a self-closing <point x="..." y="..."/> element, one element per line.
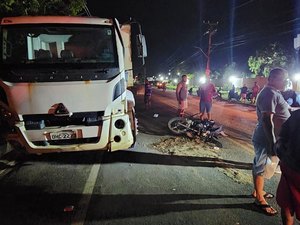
<point x="147" y="94"/>
<point x="181" y="95"/>
<point x="244" y="90"/>
<point x="272" y="111"/>
<point x="206" y="93"/>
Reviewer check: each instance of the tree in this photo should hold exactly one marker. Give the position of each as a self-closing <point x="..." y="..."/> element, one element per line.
<point x="41" y="7"/>
<point x="267" y="58"/>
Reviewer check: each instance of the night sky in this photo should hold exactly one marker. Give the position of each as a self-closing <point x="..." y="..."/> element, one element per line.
<point x="174" y="29"/>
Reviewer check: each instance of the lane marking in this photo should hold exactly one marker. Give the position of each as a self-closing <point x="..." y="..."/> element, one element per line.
<point x="84" y="202"/>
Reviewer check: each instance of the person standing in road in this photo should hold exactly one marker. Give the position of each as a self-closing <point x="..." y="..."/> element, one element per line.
<point x="206" y="92"/>
<point x="147" y="94"/>
<point x="181" y="95"/>
<point x="244" y="90"/>
<point x="272" y="111"/>
<point x="255" y="90"/>
<point x="164" y="86"/>
<point x="288" y="150"/>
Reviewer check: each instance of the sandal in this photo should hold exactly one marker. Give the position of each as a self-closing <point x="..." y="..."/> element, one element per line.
<point x="266" y="195"/>
<point x="264" y="207"/>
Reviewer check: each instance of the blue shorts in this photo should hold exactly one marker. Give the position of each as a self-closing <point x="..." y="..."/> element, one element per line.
<point x="260" y="158"/>
<point x="205" y="106"/>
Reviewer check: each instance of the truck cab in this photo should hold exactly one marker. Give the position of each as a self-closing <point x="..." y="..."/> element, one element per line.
<point x="63" y="84"/>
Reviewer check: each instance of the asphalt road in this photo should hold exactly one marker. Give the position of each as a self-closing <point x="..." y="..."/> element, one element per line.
<point x="140" y="185"/>
<point x="238" y="119"/>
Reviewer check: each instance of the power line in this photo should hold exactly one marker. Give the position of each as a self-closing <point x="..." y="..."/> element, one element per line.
<point x="86" y="9"/>
<point x="241" y="38"/>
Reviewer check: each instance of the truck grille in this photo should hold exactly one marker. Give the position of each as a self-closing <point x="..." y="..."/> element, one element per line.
<point x="41" y="121"/>
<point x="67" y="142"/>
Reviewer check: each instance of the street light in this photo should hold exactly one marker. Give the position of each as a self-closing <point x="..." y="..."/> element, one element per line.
<point x="297" y="77"/>
<point x="233" y="79"/>
<point x="297" y="80"/>
<point x="202" y="80"/>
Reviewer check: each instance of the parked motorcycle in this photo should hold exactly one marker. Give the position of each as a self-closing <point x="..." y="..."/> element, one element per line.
<point x="233" y="96"/>
<point x="218" y="96"/>
<point x="193" y="128"/>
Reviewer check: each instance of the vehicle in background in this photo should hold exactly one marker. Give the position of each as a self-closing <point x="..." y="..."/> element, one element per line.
<point x="161" y="85"/>
<point x="63" y="84"/>
<point x="233" y="95"/>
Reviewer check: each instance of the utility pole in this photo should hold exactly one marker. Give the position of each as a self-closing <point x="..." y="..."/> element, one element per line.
<point x="211" y="31"/>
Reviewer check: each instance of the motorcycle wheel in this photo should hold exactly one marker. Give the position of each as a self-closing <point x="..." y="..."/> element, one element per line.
<point x="178" y="125"/>
<point x="216" y="142"/>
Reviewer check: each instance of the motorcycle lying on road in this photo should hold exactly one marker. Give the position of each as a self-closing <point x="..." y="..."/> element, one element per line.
<point x="196" y="128"/>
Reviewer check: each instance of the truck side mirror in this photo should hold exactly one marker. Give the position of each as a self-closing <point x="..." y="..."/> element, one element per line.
<point x="141" y="46"/>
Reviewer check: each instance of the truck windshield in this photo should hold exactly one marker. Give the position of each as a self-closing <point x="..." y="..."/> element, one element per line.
<point x="54" y="44"/>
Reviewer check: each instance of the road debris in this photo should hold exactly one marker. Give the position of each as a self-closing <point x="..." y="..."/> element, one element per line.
<point x="182" y="146"/>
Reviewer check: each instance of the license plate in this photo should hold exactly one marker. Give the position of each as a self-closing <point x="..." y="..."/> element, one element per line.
<point x="63" y="135"/>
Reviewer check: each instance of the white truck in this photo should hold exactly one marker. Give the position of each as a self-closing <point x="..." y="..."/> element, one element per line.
<point x="63" y="84"/>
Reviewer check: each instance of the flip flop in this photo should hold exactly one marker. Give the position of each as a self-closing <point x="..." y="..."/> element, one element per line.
<point x="266" y="195"/>
<point x="263" y="208"/>
<point x="269" y="195"/>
